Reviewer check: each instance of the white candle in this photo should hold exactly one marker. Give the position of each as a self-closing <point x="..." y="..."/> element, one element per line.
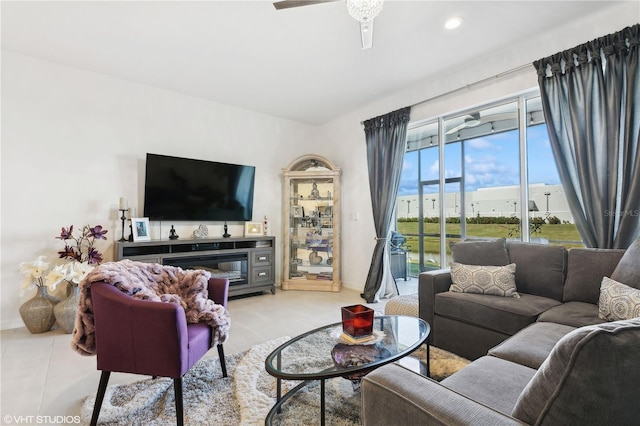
<point x="132" y="212"/>
<point x="123" y="203"/>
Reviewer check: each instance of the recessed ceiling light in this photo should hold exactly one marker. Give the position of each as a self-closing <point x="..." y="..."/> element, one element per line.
<point x="453" y="22"/>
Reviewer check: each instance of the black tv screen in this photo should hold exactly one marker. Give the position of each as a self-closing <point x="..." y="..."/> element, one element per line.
<point x="197" y="190"/>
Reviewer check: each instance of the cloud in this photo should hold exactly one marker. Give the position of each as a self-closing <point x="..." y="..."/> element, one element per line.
<point x="489" y="170"/>
<point x="480" y="143"/>
<point x="434" y="167"/>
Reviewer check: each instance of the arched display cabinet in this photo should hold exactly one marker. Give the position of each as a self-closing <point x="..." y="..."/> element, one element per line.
<point x="311" y="225"/>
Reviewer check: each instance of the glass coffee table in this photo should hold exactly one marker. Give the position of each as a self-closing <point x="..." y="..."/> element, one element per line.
<point x="322" y="354"/>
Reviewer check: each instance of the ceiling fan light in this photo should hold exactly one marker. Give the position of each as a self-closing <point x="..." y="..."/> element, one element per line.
<point x="364" y="10"/>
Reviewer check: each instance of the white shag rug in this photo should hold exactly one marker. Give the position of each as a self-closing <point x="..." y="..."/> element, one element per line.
<point x="243" y="398"/>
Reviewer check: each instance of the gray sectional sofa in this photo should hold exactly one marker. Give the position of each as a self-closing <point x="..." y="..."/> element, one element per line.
<point x="554" y="284"/>
<point x="545" y="357"/>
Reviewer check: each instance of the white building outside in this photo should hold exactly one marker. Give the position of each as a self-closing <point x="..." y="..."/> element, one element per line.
<point x="496" y="201"/>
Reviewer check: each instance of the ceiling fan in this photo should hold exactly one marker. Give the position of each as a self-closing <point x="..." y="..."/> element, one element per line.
<point x="363" y="11"/>
<point x="475" y="120"/>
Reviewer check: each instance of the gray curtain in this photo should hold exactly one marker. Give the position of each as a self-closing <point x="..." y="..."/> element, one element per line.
<point x="386" y="143"/>
<point x="591" y="103"/>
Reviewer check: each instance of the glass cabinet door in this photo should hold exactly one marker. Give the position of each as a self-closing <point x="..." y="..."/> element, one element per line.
<point x="311" y="258"/>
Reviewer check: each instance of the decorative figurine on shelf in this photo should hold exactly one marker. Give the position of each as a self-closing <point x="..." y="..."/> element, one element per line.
<point x="172" y="234"/>
<point x="131" y="214"/>
<point x="315" y="193"/>
<point x="201" y="232"/>
<point x="266" y="226"/>
<point x="226" y="234"/>
<point x="315" y="258"/>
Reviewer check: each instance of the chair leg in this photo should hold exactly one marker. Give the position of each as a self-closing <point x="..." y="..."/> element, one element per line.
<point x="223" y="362"/>
<point x="102" y="388"/>
<point x="177" y="389"/>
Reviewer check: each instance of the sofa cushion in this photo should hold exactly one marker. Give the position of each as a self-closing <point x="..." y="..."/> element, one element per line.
<point x="628" y="269"/>
<point x="591" y="377"/>
<point x="574" y="314"/>
<point x="540" y="270"/>
<point x="493" y="280"/>
<point x="493" y="253"/>
<point x="618" y="301"/>
<point x="531" y="345"/>
<point x="394" y="395"/>
<point x="585" y="269"/>
<point x="470" y="341"/>
<point x="491" y="381"/>
<point x="503" y="314"/>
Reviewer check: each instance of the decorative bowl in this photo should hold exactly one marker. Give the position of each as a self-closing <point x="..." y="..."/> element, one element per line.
<point x="346" y="356"/>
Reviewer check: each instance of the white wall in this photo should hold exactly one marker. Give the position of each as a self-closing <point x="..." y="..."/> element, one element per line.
<point x="344" y="137"/>
<point x="73" y="142"/>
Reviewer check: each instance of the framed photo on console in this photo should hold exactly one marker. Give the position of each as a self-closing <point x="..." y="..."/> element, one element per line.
<point x="325" y="211"/>
<point x="298" y="211"/>
<point x="140" y="229"/>
<point x="252" y="228"/>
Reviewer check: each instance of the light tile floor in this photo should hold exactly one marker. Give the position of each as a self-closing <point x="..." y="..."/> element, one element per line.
<point x="42" y="376"/>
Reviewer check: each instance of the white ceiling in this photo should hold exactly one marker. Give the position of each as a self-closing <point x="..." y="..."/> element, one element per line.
<point x="305" y="64"/>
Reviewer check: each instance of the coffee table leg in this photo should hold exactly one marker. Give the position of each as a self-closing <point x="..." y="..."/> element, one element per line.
<point x="278" y="393"/>
<point x="279" y="383"/>
<point x="322" y="402"/>
<point x="428" y="358"/>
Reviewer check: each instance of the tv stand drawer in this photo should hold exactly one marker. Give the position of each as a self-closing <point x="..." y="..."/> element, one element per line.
<point x="262" y="258"/>
<point x="261" y="274"/>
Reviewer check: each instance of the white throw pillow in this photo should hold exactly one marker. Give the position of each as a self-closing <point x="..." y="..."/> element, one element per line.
<point x="493" y="280"/>
<point x="618" y="301"/>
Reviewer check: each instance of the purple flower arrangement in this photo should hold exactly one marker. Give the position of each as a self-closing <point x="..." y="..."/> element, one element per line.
<point x="81" y="248"/>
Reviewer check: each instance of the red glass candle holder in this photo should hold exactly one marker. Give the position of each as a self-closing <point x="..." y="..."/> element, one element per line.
<point x="357" y="320"/>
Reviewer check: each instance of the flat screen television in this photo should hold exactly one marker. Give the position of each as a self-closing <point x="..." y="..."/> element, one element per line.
<point x="184" y="189"/>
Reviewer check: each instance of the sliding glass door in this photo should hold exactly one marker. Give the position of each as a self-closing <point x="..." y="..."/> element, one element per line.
<point x="495" y="178"/>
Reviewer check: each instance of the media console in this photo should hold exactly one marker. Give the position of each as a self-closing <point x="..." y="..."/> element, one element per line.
<point x="248" y="263"/>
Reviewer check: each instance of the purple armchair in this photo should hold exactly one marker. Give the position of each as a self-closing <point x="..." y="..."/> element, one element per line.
<point x="151" y="338"/>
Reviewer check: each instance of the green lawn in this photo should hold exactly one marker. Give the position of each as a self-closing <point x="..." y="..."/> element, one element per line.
<point x="562" y="234"/>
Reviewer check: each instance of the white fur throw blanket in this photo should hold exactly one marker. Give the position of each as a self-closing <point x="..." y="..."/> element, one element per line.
<point x="150" y="281"/>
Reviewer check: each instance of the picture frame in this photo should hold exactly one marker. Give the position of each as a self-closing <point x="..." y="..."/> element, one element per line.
<point x="325" y="211"/>
<point x="140" y="229"/>
<point x="297" y="211"/>
<point x="252" y="228"/>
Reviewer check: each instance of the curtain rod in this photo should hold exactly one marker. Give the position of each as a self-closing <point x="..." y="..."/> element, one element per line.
<point x="470" y="85"/>
<point x="476" y="83"/>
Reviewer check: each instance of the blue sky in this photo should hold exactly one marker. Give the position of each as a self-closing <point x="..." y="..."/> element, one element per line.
<point x="491" y="161"/>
